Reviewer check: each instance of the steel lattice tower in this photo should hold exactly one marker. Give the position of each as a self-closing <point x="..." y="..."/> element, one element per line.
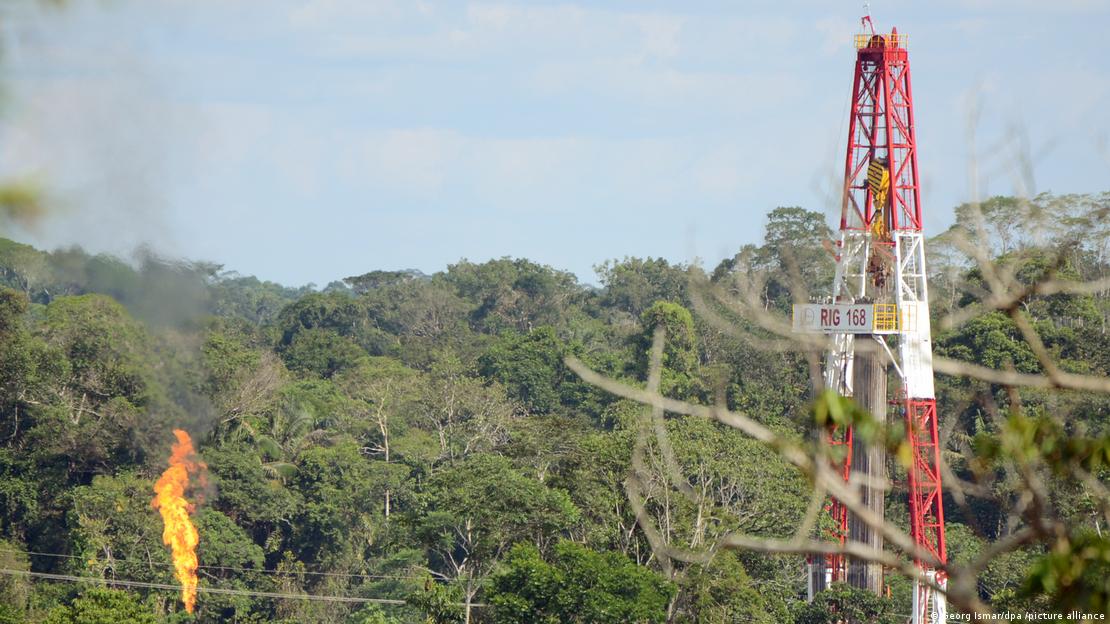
<point x="880" y="294"/>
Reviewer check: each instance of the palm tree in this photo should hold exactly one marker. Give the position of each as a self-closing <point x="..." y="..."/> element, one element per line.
<point x="287" y="431"/>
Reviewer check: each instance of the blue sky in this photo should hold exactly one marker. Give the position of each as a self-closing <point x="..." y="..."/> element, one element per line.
<point x="308" y="141"/>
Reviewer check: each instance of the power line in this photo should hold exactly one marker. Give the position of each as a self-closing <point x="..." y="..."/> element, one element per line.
<point x="398" y="577"/>
<point x="200" y="588"/>
<point x="213" y="590"/>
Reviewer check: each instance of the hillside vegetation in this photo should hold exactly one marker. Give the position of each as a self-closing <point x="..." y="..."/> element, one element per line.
<point x="420" y="438"/>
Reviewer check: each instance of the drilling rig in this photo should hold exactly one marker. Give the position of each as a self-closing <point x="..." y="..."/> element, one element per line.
<point x="880" y="299"/>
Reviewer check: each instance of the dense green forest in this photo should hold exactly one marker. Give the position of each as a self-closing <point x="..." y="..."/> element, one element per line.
<point x="420" y="442"/>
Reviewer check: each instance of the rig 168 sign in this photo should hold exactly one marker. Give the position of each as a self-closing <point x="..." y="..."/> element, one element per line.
<point x="850" y="319"/>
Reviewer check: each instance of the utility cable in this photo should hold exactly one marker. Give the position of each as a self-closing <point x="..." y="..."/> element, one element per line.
<point x="213" y="590"/>
<point x="396" y="577"/>
<point x="200" y="588"/>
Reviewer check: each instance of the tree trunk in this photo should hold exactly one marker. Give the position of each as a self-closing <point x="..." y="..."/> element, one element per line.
<point x="470" y="591"/>
<point x="385" y="431"/>
<point x="869" y="467"/>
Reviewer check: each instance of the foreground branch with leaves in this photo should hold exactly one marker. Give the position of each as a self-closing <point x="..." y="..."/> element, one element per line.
<point x="1021" y="448"/>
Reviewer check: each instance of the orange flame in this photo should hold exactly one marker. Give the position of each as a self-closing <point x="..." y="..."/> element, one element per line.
<point x="179" y="533"/>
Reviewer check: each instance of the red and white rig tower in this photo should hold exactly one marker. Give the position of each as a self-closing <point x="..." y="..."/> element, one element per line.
<point x="880" y="295"/>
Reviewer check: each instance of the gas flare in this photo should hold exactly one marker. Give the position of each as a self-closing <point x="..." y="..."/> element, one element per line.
<point x="179" y="533"/>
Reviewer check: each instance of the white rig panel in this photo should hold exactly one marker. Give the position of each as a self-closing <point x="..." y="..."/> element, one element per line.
<point x="838" y="365"/>
<point x="849" y="284"/>
<point x="916" y="351"/>
<point x="930" y="606"/>
<point x="915" y="347"/>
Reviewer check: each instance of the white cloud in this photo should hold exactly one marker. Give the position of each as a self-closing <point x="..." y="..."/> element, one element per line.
<point x="723" y="173"/>
<point x="836" y="33"/>
<point x="229" y="134"/>
<point x="536" y="175"/>
<point x="323" y="15"/>
<point x="1045" y="6"/>
<point x="659" y="34"/>
<point x="631" y="80"/>
<point x="600" y="111"/>
<point x="415" y="162"/>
